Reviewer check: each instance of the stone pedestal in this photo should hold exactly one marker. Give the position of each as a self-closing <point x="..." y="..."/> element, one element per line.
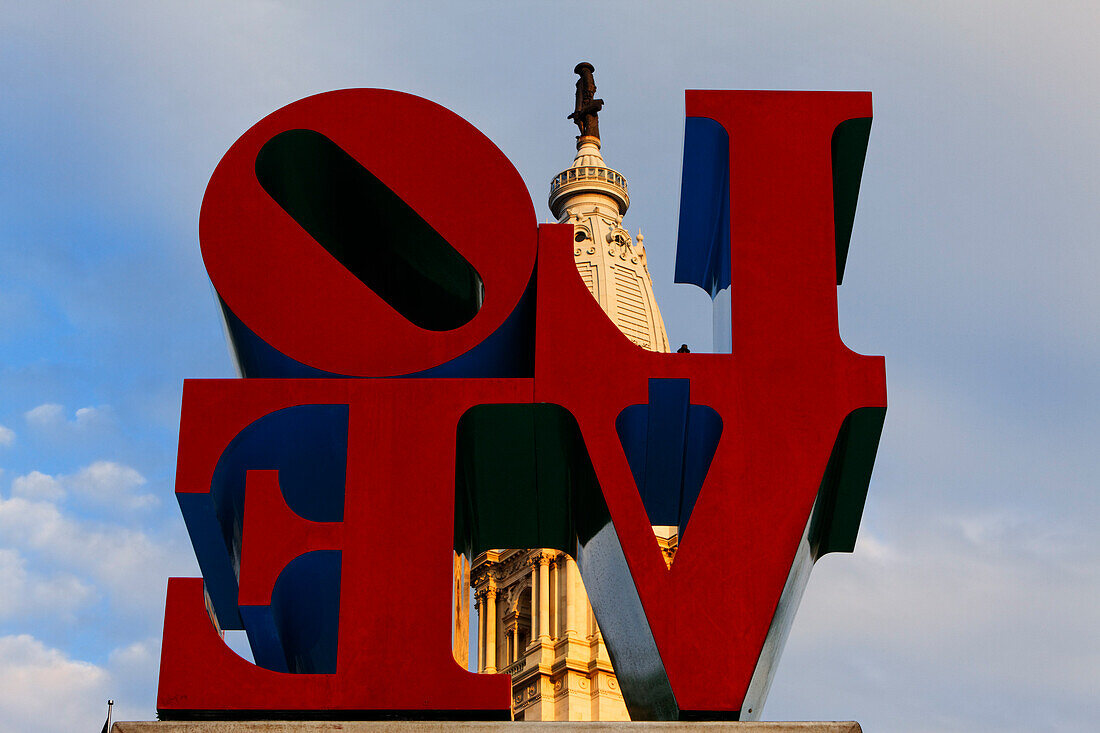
<point x="444" y="726"/>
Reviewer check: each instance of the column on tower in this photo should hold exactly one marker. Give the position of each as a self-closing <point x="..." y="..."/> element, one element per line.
<point x="479" y="597"/>
<point x="533" y="562"/>
<point x="544" y="596"/>
<point x="491" y="627"/>
<point x="555" y="596"/>
<point x="569" y="601"/>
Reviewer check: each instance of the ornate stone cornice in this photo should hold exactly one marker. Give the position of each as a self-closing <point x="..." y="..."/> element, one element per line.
<point x="483" y="573"/>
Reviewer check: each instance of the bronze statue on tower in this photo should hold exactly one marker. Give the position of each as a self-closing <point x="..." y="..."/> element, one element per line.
<point x="587" y="108"/>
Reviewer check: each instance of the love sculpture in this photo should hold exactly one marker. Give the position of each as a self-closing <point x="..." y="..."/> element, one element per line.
<point x="411" y="381"/>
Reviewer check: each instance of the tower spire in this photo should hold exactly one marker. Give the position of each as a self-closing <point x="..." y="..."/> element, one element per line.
<point x="594" y="199"/>
<point x="532" y="603"/>
<point x="589" y="178"/>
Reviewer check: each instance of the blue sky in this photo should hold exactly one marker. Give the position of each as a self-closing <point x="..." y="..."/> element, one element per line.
<point x="972" y="600"/>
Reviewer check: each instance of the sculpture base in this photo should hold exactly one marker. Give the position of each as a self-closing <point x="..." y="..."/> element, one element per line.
<point x="447" y="726"/>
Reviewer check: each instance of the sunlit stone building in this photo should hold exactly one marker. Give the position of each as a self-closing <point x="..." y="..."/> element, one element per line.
<point x="535" y="622"/>
<point x="594" y="199"/>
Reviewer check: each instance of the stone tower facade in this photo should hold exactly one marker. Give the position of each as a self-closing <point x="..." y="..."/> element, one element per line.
<point x="535" y="622"/>
<point x="594" y="199"/>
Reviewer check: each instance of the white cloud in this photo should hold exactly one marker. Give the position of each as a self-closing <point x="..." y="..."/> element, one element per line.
<point x="107" y="482"/>
<point x="52" y="416"/>
<point x="87" y="416"/>
<point x="134" y="670"/>
<point x="127" y="563"/>
<point x="45" y="415"/>
<point x="37" y="485"/>
<point x="7" y="437"/>
<point x="138" y="659"/>
<point x="975" y="608"/>
<point x="103" y="482"/>
<point x="55" y="567"/>
<point x="85" y="413"/>
<point x="42" y="689"/>
<point x="25" y="592"/>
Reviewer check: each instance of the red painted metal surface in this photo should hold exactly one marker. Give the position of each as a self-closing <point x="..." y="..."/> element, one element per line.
<point x="300" y="299"/>
<point x="782" y="393"/>
<point x="395" y="542"/>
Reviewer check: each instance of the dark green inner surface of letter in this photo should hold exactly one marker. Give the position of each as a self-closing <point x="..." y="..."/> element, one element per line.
<point x="370" y="230"/>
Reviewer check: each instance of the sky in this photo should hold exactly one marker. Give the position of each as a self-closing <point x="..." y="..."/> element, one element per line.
<point x="971" y="601"/>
